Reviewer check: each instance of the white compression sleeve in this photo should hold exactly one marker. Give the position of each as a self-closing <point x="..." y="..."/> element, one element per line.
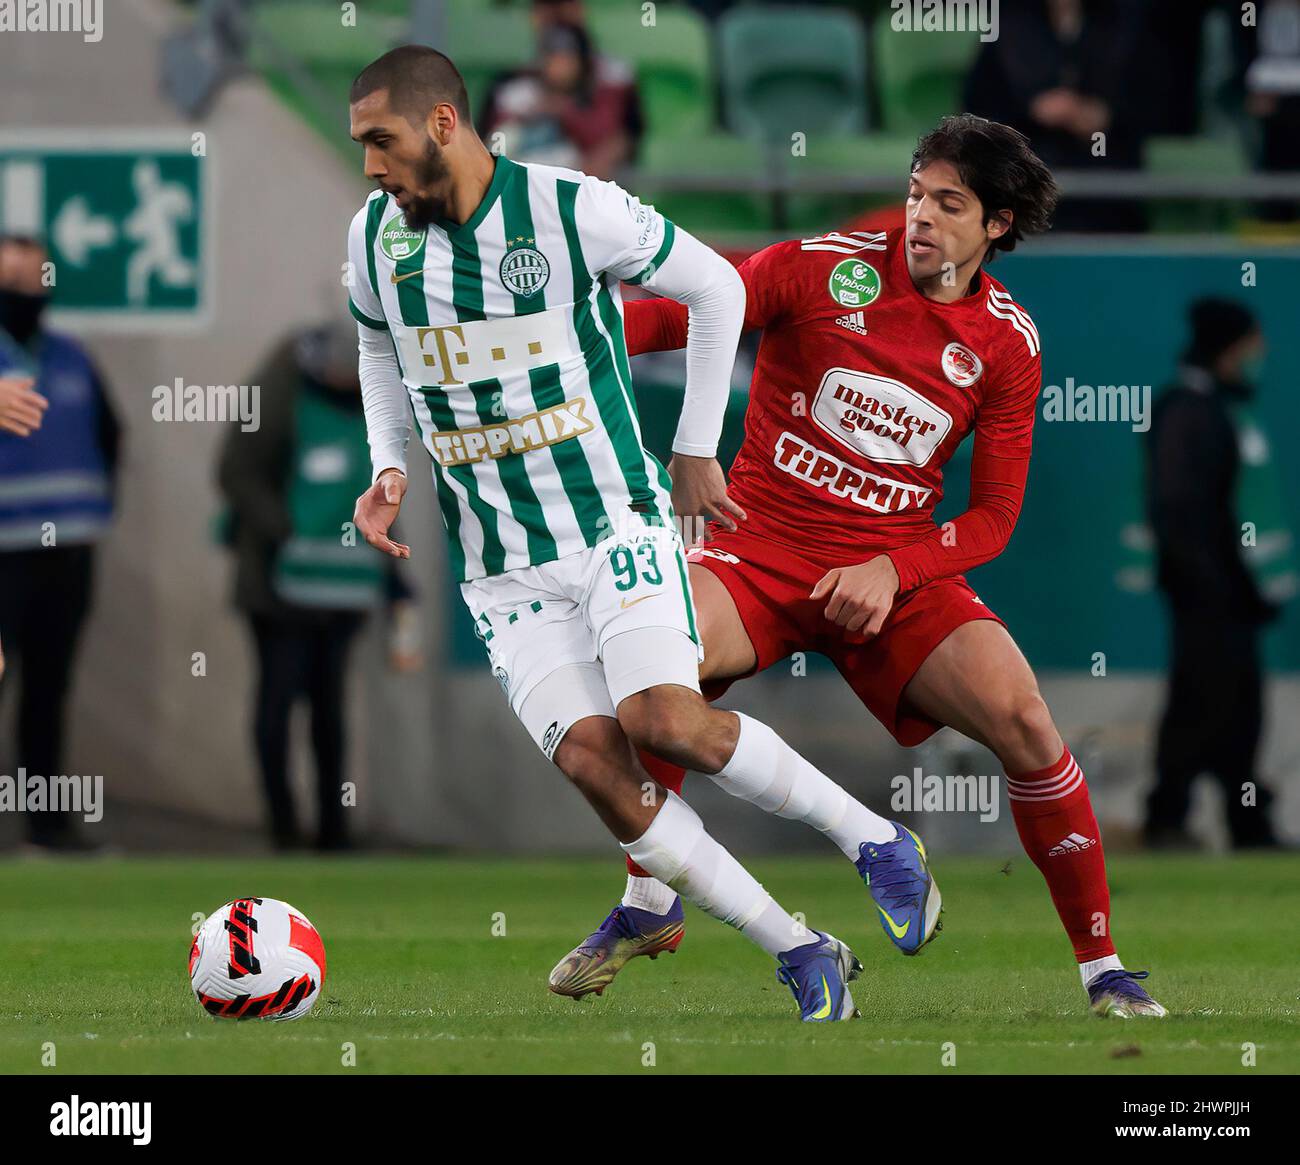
<point x="714" y="295"/>
<point x="384" y="397"/>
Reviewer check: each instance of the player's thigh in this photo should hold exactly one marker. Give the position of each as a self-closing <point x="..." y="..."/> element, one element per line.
<point x="636" y="598"/>
<point x="728" y="651"/>
<point x="542" y="653"/>
<point x="978" y="681"/>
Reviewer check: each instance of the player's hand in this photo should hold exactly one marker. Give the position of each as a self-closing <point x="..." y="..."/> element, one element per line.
<point x="859" y="598"/>
<point x="21" y="407"/>
<point x="377" y="510"/>
<point x="700" y="491"/>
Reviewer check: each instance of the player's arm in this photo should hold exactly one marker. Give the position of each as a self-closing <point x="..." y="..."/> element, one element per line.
<point x="635" y="243"/>
<point x="384" y="400"/>
<point x="660" y="325"/>
<point x="860" y="597"/>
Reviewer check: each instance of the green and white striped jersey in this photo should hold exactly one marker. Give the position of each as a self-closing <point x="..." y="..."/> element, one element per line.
<point x="508" y="331"/>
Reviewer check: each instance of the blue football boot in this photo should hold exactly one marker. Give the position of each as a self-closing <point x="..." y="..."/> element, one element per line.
<point x="817" y="975"/>
<point x="1120" y="995"/>
<point x="898" y="875"/>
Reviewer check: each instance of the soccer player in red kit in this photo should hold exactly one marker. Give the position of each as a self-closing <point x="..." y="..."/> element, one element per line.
<point x="880" y="354"/>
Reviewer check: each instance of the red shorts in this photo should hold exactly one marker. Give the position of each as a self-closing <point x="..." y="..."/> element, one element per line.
<point x="770" y="586"/>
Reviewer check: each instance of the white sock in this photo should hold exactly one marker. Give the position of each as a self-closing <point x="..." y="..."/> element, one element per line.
<point x="649" y="894"/>
<point x="769" y="773"/>
<point x="677" y="850"/>
<point x="1094" y="967"/>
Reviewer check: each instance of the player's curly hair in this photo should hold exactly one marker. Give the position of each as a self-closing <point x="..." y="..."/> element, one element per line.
<point x="999" y="165"/>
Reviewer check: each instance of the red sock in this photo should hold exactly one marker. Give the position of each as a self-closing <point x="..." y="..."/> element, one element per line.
<point x="670" y="777"/>
<point x="1055" y="821"/>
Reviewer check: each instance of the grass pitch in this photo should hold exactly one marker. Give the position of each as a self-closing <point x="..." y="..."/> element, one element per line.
<point x="92" y="961"/>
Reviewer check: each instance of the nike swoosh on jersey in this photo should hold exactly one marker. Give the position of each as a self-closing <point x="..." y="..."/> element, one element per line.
<point x="625" y="604"/>
<point x="409" y="275"/>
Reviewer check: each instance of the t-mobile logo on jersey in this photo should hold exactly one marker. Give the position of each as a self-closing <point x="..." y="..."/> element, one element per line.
<point x="879" y="418"/>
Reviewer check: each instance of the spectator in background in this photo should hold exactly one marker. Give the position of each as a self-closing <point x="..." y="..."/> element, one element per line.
<point x="58" y="461"/>
<point x="305" y="583"/>
<point x="1062" y="71"/>
<point x="1272" y="85"/>
<point x="1208" y="471"/>
<point x="574" y="107"/>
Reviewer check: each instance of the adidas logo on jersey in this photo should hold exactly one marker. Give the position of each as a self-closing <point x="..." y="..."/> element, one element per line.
<point x="1071" y="844"/>
<point x="854" y="321"/>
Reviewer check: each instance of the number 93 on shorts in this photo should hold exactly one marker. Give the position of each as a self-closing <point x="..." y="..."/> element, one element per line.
<point x="574" y="637"/>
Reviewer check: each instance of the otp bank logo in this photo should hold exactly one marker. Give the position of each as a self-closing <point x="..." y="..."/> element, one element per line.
<point x="879" y="418"/>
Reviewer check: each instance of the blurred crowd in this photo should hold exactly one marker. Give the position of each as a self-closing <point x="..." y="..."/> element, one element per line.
<point x="1090" y="82"/>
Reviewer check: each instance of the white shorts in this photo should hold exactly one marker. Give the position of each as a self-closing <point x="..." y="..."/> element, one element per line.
<point x="575" y="637"/>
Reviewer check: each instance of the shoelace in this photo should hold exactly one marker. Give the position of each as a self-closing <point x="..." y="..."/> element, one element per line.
<point x="1118" y="980"/>
<point x="897" y="884"/>
<point x="618" y="923"/>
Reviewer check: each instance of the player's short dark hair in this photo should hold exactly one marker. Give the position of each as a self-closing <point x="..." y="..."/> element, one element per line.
<point x="417" y="78"/>
<point x="999" y="165"/>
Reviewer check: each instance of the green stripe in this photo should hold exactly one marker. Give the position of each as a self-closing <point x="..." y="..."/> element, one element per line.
<point x="568" y="457"/>
<point x="609" y="314"/>
<point x="374" y="217"/>
<point x="670" y="234"/>
<point x="686" y="594"/>
<point x="612" y="401"/>
<point x="467" y="299"/>
<point x="415" y="313"/>
<point x="378" y="325"/>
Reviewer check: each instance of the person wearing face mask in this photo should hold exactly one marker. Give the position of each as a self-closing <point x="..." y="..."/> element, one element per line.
<point x="1223" y="556"/>
<point x="58" y="455"/>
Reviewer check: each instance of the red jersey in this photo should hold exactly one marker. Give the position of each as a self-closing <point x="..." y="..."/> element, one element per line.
<point x="862" y="390"/>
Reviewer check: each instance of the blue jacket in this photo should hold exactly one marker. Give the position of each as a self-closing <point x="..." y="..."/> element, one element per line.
<point x="63" y="473"/>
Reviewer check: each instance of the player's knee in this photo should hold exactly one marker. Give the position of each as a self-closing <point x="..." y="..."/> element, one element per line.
<point x="1027" y="730"/>
<point x="671" y="725"/>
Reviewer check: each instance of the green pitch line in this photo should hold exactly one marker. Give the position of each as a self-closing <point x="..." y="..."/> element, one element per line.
<point x="92" y="961"/>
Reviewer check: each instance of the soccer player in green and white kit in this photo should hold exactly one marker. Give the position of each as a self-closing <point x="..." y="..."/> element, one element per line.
<point x="486" y="295"/>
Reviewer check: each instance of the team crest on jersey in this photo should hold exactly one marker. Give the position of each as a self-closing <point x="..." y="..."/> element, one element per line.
<point x="854" y="283"/>
<point x="524" y="270"/>
<point x="961" y="365"/>
<point x="398" y="241"/>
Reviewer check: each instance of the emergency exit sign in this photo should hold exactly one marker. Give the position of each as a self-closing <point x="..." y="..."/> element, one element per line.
<point x="123" y="215"/>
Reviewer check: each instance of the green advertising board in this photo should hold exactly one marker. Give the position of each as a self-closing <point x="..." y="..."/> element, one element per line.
<point x="123" y="214"/>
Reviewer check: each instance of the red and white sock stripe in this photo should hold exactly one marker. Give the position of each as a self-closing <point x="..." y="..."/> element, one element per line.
<point x="1049" y="784"/>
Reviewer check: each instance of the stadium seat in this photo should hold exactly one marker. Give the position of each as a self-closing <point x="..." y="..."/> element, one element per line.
<point x="712" y="156"/>
<point x="861" y="156"/>
<point x="485" y="41"/>
<point x="329" y="56"/>
<point x="787" y="70"/>
<point x="1194" y="156"/>
<point x="919" y="74"/>
<point x="672" y="62"/>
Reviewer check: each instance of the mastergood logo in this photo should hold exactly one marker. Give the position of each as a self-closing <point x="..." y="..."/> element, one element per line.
<point x="398" y="241"/>
<point x="879" y="418"/>
<point x="960" y="365"/>
<point x="524" y="271"/>
<point x="854" y="283"/>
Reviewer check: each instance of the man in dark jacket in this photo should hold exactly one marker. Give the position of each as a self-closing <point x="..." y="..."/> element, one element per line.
<point x="304" y="580"/>
<point x="1200" y="448"/>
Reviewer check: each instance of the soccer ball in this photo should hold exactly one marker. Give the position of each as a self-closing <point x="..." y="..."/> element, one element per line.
<point x="257" y="958"/>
